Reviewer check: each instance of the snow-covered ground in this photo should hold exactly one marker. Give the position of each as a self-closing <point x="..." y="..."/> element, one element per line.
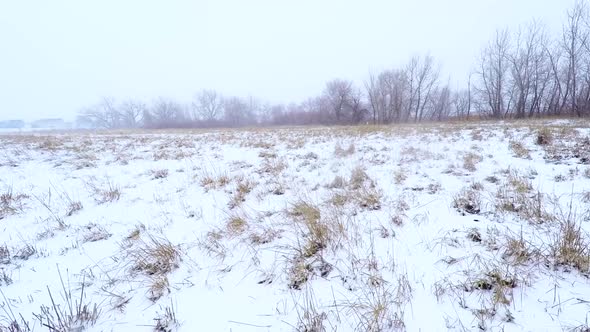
<point x="461" y="227"/>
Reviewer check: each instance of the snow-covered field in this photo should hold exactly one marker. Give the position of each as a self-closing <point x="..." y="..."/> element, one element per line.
<point x="461" y="227"/>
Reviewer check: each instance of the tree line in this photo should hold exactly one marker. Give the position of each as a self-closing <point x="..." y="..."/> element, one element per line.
<point x="519" y="74"/>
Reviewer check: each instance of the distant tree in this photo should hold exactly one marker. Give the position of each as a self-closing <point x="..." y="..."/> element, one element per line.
<point x="103" y="114"/>
<point x="167" y="113"/>
<point x="207" y="105"/>
<point x="423" y="76"/>
<point x="339" y="94"/>
<point x="132" y="112"/>
<point x="574" y="44"/>
<point x="530" y="70"/>
<point x="493" y="75"/>
<point x="236" y="111"/>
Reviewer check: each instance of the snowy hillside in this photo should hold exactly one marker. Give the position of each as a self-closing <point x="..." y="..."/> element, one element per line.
<point x="459" y="227"/>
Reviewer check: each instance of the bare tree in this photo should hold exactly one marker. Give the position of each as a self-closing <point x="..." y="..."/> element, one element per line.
<point x="423" y="77"/>
<point x="103" y="115"/>
<point x="236" y="111"/>
<point x="441" y="103"/>
<point x="530" y="70"/>
<point x="207" y="105"/>
<point x="493" y="75"/>
<point x="132" y="112"/>
<point x="574" y="42"/>
<point x="166" y="112"/>
<point x="338" y="93"/>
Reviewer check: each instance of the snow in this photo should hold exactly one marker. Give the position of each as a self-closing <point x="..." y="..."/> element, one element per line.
<point x="389" y="257"/>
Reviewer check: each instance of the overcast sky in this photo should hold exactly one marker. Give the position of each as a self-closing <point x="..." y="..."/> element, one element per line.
<point x="58" y="56"/>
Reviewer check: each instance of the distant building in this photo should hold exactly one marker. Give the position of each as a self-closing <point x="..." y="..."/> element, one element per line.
<point x="49" y="124"/>
<point x="12" y="124"/>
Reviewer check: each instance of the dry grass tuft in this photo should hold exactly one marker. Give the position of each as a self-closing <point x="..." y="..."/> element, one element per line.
<point x="341" y="152"/>
<point x="243" y="188"/>
<point x="544" y="136"/>
<point x="516" y="195"/>
<point x="93" y="232"/>
<point x="154" y="256"/>
<point x="213" y="181"/>
<point x="311" y="320"/>
<point x="105" y="192"/>
<point x="317" y="233"/>
<point x="166" y="321"/>
<point x="468" y="201"/>
<point x="236" y="225"/>
<point x="399" y="176"/>
<point x="11" y="202"/>
<point x="517" y="250"/>
<point x="73" y="207"/>
<point x="470" y="160"/>
<point x="369" y="198"/>
<point x="159" y="174"/>
<point x="159" y="286"/>
<point x="519" y="150"/>
<point x="571" y="246"/>
<point x="299" y="273"/>
<point x="73" y="315"/>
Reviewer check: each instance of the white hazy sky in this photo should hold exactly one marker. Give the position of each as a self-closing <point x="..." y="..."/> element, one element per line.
<point x="58" y="56"/>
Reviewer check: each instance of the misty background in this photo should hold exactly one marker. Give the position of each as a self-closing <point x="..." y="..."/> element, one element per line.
<point x="60" y="56"/>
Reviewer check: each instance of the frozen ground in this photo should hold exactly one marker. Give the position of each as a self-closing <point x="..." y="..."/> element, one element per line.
<point x="459" y="227"/>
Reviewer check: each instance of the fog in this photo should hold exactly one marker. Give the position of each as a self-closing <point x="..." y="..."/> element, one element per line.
<point x="60" y="56"/>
